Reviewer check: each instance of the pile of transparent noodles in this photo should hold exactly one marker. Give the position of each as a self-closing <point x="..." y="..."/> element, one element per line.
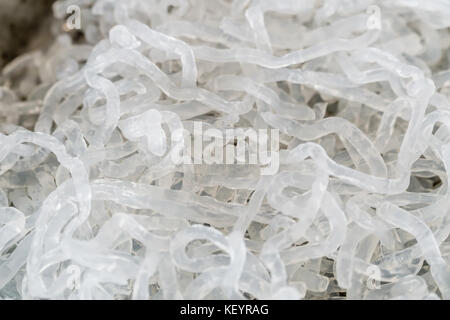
<point x="99" y="198"/>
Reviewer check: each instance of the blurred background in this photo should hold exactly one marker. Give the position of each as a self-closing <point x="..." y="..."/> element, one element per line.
<point x="24" y="25"/>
